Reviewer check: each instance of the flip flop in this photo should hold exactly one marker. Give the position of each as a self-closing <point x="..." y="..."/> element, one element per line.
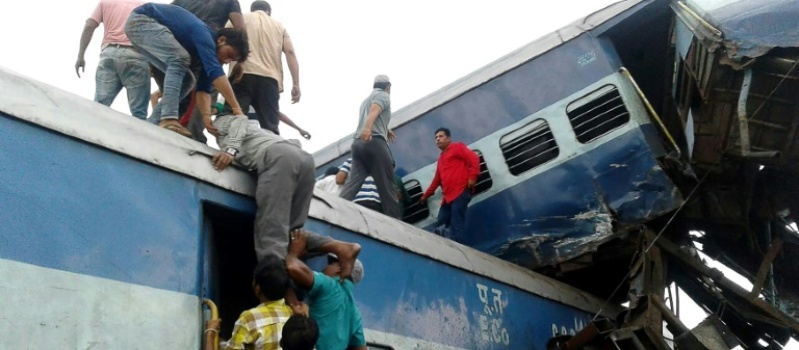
<point x="177" y="128"/>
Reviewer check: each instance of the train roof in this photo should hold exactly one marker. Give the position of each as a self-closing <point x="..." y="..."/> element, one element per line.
<point x="528" y="52"/>
<point x="73" y="116"/>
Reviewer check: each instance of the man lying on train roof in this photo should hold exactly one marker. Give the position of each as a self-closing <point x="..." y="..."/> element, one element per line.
<point x="283" y="191"/>
<point x="263" y="324"/>
<point x="331" y="303"/>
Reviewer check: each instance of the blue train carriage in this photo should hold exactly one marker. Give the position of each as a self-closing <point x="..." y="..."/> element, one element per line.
<point x="112" y="231"/>
<point x="571" y="150"/>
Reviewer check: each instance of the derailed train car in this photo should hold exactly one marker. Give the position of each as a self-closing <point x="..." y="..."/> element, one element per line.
<point x="672" y="117"/>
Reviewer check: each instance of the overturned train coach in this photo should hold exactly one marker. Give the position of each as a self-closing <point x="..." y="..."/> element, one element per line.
<point x="673" y="116"/>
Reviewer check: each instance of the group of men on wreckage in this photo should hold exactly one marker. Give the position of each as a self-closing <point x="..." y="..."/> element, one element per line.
<point x="183" y="46"/>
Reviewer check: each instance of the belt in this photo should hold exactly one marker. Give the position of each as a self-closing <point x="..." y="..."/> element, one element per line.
<point x="119" y="46"/>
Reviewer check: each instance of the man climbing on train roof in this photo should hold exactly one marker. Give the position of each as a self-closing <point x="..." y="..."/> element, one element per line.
<point x="457" y="171"/>
<point x="331" y="301"/>
<point x="283" y="191"/>
<point x="370" y="153"/>
<point x="214" y="13"/>
<point x="260" y="327"/>
<point x="169" y="36"/>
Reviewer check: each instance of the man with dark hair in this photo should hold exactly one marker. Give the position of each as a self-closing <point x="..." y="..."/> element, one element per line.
<point x="331" y="301"/>
<point x="169" y="36"/>
<point x="263" y="324"/>
<point x="457" y="171"/>
<point x="259" y="80"/>
<point x="214" y="13"/>
<point x="370" y="152"/>
<point x="120" y="65"/>
<point x="299" y="333"/>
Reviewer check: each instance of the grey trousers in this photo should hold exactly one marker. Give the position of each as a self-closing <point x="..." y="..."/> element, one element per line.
<point x="373" y="158"/>
<point x="283" y="194"/>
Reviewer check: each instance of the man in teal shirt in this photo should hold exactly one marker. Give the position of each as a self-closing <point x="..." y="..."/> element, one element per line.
<point x="331" y="300"/>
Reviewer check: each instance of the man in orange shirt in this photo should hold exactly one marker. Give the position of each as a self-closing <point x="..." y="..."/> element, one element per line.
<point x="456" y="172"/>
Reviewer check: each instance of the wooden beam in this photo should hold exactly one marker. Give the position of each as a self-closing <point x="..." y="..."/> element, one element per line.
<point x="717" y="276"/>
<point x="765" y="266"/>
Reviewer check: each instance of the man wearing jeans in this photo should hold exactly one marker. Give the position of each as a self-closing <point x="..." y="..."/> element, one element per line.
<point x="370" y="152"/>
<point x="120" y="64"/>
<point x="169" y="36"/>
<point x="456" y="172"/>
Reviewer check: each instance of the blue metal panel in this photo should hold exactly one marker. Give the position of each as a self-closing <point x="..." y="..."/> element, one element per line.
<point x="558" y="213"/>
<point x="73" y="206"/>
<point x="407" y="294"/>
<point x="502" y="101"/>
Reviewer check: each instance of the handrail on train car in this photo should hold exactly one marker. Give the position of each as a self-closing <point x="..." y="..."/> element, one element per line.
<point x="214" y="316"/>
<point x="652" y="111"/>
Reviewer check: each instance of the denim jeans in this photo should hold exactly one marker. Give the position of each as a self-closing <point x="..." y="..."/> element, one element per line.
<point x="123" y="67"/>
<point x="157" y="44"/>
<point x="452" y="217"/>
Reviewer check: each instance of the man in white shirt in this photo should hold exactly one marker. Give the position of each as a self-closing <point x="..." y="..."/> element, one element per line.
<point x="328" y="182"/>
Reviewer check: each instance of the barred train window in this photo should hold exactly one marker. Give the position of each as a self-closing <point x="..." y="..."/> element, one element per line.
<point x="484" y="181"/>
<point x="415" y="212"/>
<point x="597" y="113"/>
<point x="528" y="147"/>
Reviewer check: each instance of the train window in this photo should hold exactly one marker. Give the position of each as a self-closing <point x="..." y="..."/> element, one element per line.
<point x="528" y="147"/>
<point x="597" y="113"/>
<point x="373" y="346"/>
<point x="415" y="212"/>
<point x="484" y="181"/>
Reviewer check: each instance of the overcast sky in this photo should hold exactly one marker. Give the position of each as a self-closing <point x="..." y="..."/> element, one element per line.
<point x="341" y="46"/>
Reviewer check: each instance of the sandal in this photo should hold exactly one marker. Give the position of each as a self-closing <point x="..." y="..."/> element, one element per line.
<point x="177" y="128"/>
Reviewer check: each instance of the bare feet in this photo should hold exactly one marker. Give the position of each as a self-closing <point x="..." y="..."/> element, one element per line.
<point x="347" y="253"/>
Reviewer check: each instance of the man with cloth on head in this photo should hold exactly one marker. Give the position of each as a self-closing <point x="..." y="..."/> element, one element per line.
<point x="370" y="152"/>
<point x="331" y="301"/>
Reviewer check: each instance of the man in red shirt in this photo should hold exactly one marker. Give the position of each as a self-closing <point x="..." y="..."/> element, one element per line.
<point x="456" y="172"/>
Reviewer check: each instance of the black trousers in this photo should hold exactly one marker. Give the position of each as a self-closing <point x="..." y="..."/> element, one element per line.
<point x="262" y="93"/>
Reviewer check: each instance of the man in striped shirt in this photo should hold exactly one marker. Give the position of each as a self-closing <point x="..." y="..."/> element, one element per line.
<point x="367" y="195"/>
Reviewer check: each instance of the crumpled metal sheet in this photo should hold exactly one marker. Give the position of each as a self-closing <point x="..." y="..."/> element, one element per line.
<point x="752" y="28"/>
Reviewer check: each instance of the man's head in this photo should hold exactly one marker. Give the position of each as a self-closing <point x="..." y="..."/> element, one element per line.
<point x="231" y="45"/>
<point x="443" y="138"/>
<point x="331" y="171"/>
<point x="333" y="269"/>
<point x="270" y="278"/>
<point x="382" y="82"/>
<point x="261" y="5"/>
<point x="299" y="333"/>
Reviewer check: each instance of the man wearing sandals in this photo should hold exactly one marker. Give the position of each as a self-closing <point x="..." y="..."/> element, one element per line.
<point x="169" y="36"/>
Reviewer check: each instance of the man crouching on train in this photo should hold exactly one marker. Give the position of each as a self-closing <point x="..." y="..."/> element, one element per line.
<point x="283" y="192"/>
<point x="332" y="304"/>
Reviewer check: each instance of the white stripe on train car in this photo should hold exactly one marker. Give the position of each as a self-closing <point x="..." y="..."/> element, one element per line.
<point x="45" y="308"/>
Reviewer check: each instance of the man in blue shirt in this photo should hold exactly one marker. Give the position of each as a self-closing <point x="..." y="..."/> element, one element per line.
<point x="331" y="301"/>
<point x="169" y="37"/>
